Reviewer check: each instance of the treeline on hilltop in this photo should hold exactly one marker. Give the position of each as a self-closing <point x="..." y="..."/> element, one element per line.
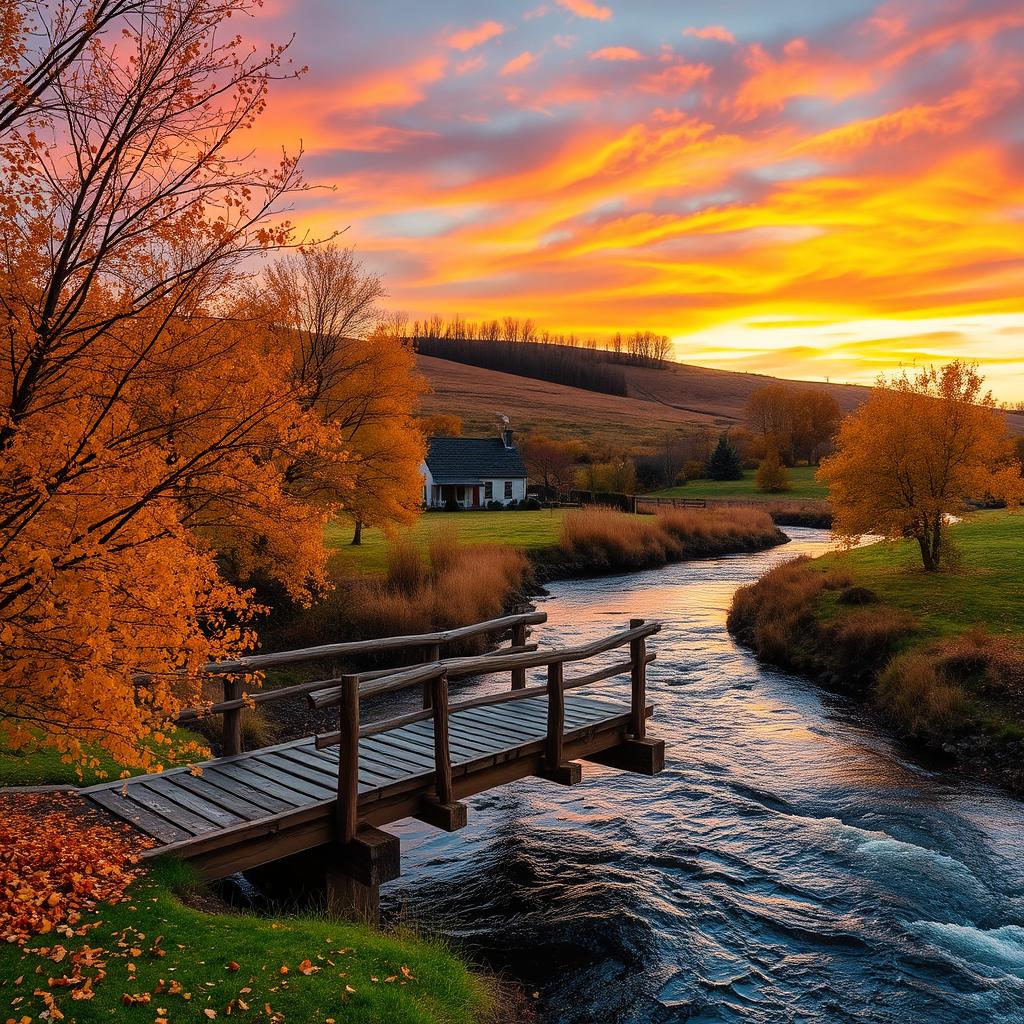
<point x="514" y="345"/>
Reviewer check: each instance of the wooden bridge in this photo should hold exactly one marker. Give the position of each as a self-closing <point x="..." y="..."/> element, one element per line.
<point x="329" y="793"/>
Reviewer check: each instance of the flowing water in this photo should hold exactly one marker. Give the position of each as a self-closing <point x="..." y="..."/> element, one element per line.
<point x="788" y="865"/>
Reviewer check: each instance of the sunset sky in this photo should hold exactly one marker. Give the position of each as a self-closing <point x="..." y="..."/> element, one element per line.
<point x="809" y="189"/>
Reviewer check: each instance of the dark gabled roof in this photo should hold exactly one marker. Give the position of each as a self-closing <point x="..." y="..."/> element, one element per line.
<point x="467" y="460"/>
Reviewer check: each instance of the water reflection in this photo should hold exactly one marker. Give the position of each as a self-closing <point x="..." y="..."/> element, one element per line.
<point x="789" y="864"/>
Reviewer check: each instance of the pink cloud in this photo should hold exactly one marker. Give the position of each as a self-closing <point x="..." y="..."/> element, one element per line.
<point x="617" y="53"/>
<point x="517" y="64"/>
<point x="716" y="32"/>
<point x="586" y="9"/>
<point x="466" y="66"/>
<point x="467" y="38"/>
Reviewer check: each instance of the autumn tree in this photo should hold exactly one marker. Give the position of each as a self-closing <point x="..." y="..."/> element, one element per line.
<point x="357" y="373"/>
<point x="549" y="463"/>
<point x="147" y="417"/>
<point x="915" y="452"/>
<point x="798" y="422"/>
<point x="772" y="476"/>
<point x="440" y="424"/>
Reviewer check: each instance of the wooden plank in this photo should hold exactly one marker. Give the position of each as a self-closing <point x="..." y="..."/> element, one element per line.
<point x="346" y="813"/>
<point x="247" y="776"/>
<point x="152" y="824"/>
<point x="477" y="735"/>
<point x="310" y="760"/>
<point x="500" y="727"/>
<point x="495" y="736"/>
<point x="212" y="811"/>
<point x="406" y="757"/>
<point x="463" y="749"/>
<point x="263" y="765"/>
<point x="228" y="798"/>
<point x="638" y="683"/>
<point x="174" y="812"/>
<point x="404" y="752"/>
<point x="442" y="752"/>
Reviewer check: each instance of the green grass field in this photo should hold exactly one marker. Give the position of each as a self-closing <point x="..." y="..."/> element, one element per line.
<point x="44" y="767"/>
<point x="986" y="588"/>
<point x="528" y="530"/>
<point x="359" y="975"/>
<point x="801" y="477"/>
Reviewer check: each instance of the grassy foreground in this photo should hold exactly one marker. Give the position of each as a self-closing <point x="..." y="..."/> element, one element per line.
<point x="801" y="477"/>
<point x="530" y="531"/>
<point x="166" y="961"/>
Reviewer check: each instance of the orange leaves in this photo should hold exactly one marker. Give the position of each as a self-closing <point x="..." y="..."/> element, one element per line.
<point x="50" y="874"/>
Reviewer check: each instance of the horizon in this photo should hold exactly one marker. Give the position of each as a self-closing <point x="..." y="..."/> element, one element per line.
<point x="826" y="194"/>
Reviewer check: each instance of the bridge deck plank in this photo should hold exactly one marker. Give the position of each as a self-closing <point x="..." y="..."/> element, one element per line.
<point x="177" y="807"/>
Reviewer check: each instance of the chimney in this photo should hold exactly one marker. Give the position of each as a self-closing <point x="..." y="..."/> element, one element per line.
<point x="506" y="429"/>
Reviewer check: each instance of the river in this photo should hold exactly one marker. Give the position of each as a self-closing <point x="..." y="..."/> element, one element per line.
<point x="790" y="864"/>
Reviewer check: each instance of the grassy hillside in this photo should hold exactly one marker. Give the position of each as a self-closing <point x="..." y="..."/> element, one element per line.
<point x="659" y="400"/>
<point x="801" y="477"/>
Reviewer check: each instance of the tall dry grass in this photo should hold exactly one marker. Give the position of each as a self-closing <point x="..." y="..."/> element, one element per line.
<point x="916" y="696"/>
<point x="778" y="616"/>
<point x="601" y="539"/>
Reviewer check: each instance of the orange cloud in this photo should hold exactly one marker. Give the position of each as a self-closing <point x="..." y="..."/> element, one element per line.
<point x="586" y="9"/>
<point x="716" y="32"/>
<point x="616" y="53"/>
<point x="518" y="64"/>
<point x="390" y="87"/>
<point x="468" y="38"/>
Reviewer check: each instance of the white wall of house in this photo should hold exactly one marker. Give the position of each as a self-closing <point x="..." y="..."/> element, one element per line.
<point x="428" y="483"/>
<point x="499" y="491"/>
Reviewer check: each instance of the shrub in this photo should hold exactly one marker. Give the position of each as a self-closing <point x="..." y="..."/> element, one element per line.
<point x="860" y="641"/>
<point x="531" y="504"/>
<point x="857" y="595"/>
<point x="916" y="696"/>
<point x="772" y="475"/>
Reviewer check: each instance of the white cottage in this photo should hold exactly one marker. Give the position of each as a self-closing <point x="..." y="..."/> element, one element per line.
<point x="472" y="471"/>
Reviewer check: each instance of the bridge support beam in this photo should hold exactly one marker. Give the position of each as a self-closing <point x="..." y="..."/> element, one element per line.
<point x="568" y="773"/>
<point x="646" y="756"/>
<point x="449" y="817"/>
<point x="356" y="870"/>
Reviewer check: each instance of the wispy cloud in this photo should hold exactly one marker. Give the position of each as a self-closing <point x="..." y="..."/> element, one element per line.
<point x="586" y="9"/>
<point x="468" y="38"/>
<point x="716" y="32"/>
<point x="616" y="53"/>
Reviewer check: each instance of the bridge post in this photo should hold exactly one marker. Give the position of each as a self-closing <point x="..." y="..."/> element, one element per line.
<point x="355" y="872"/>
<point x="433" y="653"/>
<point x="519" y="640"/>
<point x="231" y="736"/>
<point x="567" y="773"/>
<point x="638" y="680"/>
<point x="442" y="810"/>
<point x="348" y="760"/>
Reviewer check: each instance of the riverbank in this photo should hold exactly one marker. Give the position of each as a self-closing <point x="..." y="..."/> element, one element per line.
<point x="938" y="657"/>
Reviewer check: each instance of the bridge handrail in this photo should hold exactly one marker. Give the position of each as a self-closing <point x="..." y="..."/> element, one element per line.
<point x="435" y="677"/>
<point x="431" y="644"/>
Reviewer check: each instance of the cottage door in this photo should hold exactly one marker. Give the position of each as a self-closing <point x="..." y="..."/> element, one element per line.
<point x="476" y="496"/>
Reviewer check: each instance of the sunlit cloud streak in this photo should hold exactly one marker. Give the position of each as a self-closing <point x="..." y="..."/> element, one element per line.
<point x="651" y="167"/>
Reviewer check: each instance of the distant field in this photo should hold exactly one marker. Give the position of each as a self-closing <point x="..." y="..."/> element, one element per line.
<point x="527" y="530"/>
<point x="801" y="477"/>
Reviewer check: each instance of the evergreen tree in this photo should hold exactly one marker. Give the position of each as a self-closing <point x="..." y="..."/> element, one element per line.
<point x="724" y="463"/>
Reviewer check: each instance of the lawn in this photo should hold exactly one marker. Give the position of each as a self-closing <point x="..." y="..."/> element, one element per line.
<point x="801" y="477"/>
<point x="186" y="965"/>
<point x="986" y="587"/>
<point x="44" y="767"/>
<point x="528" y="530"/>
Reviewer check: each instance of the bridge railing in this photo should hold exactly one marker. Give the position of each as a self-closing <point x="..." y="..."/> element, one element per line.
<point x="347" y="691"/>
<point x="428" y="647"/>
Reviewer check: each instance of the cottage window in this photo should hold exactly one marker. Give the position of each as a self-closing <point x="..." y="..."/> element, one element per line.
<point x="508" y="489"/>
<point x="488" y="490"/>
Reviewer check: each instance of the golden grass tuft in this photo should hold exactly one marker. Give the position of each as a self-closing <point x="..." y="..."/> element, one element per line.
<point x="916" y="696"/>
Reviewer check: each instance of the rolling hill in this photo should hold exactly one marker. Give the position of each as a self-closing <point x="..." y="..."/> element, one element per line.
<point x="659" y="400"/>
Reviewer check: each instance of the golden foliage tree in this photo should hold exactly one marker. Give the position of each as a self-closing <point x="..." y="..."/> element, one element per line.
<point x="358" y="374"/>
<point x="147" y="422"/>
<point x="915" y="452"/>
<point x="772" y="475"/>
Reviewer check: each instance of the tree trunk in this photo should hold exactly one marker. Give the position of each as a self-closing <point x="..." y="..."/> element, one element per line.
<point x="357" y="537"/>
